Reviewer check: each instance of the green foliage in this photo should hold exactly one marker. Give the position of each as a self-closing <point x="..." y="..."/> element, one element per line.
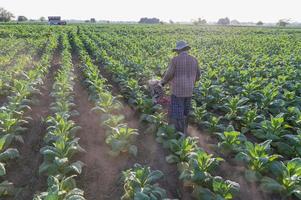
<point x="61" y="189"/>
<point x="214" y="124"/>
<point x="235" y="106"/>
<point x="271" y="129"/>
<point x="287" y="180"/>
<point x="231" y="141"/>
<point x="61" y="142"/>
<point x="8" y="154"/>
<point x="199" y="168"/>
<point x="120" y="138"/>
<point x="257" y="158"/>
<point x="166" y="135"/>
<point x="225" y="188"/>
<point x="182" y="149"/>
<point x="141" y="183"/>
<point x="19" y="84"/>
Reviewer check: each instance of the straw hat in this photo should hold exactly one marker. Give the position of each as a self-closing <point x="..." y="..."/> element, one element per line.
<point x="181" y="45"/>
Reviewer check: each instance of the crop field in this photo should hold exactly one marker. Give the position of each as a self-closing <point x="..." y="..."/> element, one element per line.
<point x="77" y="120"/>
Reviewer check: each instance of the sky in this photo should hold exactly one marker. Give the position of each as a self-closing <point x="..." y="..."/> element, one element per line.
<point x="176" y="10"/>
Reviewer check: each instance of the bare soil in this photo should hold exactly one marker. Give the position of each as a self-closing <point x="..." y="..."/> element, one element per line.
<point x="101" y="178"/>
<point x="248" y="190"/>
<point x="206" y="142"/>
<point x="3" y="99"/>
<point x="23" y="172"/>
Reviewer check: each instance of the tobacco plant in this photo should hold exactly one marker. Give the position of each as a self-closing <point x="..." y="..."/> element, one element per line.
<point x="257" y="158"/>
<point x="287" y="179"/>
<point x="121" y="139"/>
<point x="61" y="189"/>
<point x="182" y="149"/>
<point x="141" y="183"/>
<point x="231" y="141"/>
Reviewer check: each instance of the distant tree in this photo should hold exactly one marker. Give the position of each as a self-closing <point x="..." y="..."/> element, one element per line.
<point x="234" y="22"/>
<point x="5" y="16"/>
<point x="42" y="19"/>
<point x="200" y="21"/>
<point x="93" y="20"/>
<point x="171" y="22"/>
<point x="22" y="19"/>
<point x="260" y="23"/>
<point x="223" y="21"/>
<point x="146" y="20"/>
<point x="283" y="22"/>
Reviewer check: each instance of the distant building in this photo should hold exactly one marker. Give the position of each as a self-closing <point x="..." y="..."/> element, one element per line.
<point x="93" y="20"/>
<point x="56" y="20"/>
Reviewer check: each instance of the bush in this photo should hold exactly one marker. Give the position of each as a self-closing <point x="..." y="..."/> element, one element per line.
<point x="146" y="20"/>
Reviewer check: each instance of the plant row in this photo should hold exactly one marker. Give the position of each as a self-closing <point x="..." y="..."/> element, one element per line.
<point x="12" y="119"/>
<point x="119" y="135"/>
<point x="61" y="143"/>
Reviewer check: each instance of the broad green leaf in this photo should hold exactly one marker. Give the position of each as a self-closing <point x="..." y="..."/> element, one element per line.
<point x="141" y="196"/>
<point x="203" y="193"/>
<point x="9" y="154"/>
<point x="68" y="183"/>
<point x="277" y="168"/>
<point x="76" y="167"/>
<point x="154" y="176"/>
<point x="2" y="169"/>
<point x="252" y="176"/>
<point x="270" y="185"/>
<point x="5" y="140"/>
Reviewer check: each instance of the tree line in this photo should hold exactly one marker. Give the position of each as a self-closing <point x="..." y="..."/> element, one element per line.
<point x="6" y="16"/>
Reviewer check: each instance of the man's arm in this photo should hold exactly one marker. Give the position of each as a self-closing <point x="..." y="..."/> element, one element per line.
<point x="198" y="72"/>
<point x="169" y="74"/>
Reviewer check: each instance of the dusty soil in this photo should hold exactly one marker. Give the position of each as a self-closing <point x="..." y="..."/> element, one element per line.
<point x="23" y="172"/>
<point x="101" y="178"/>
<point x="206" y="142"/>
<point x="3" y="99"/>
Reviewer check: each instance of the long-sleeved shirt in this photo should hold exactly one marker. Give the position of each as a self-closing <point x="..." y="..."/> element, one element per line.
<point x="183" y="71"/>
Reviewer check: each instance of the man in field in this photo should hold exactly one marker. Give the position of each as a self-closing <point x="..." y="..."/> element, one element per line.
<point x="183" y="71"/>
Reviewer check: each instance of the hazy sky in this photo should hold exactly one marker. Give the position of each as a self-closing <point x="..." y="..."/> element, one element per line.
<point x="177" y="10"/>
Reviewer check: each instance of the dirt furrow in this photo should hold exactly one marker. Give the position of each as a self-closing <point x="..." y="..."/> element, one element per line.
<point x="101" y="178"/>
<point x="24" y="171"/>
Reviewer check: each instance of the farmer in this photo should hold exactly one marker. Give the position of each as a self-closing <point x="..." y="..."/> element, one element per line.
<point x="183" y="71"/>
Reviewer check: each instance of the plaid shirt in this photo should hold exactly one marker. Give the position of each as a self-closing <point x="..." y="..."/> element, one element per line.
<point x="183" y="71"/>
